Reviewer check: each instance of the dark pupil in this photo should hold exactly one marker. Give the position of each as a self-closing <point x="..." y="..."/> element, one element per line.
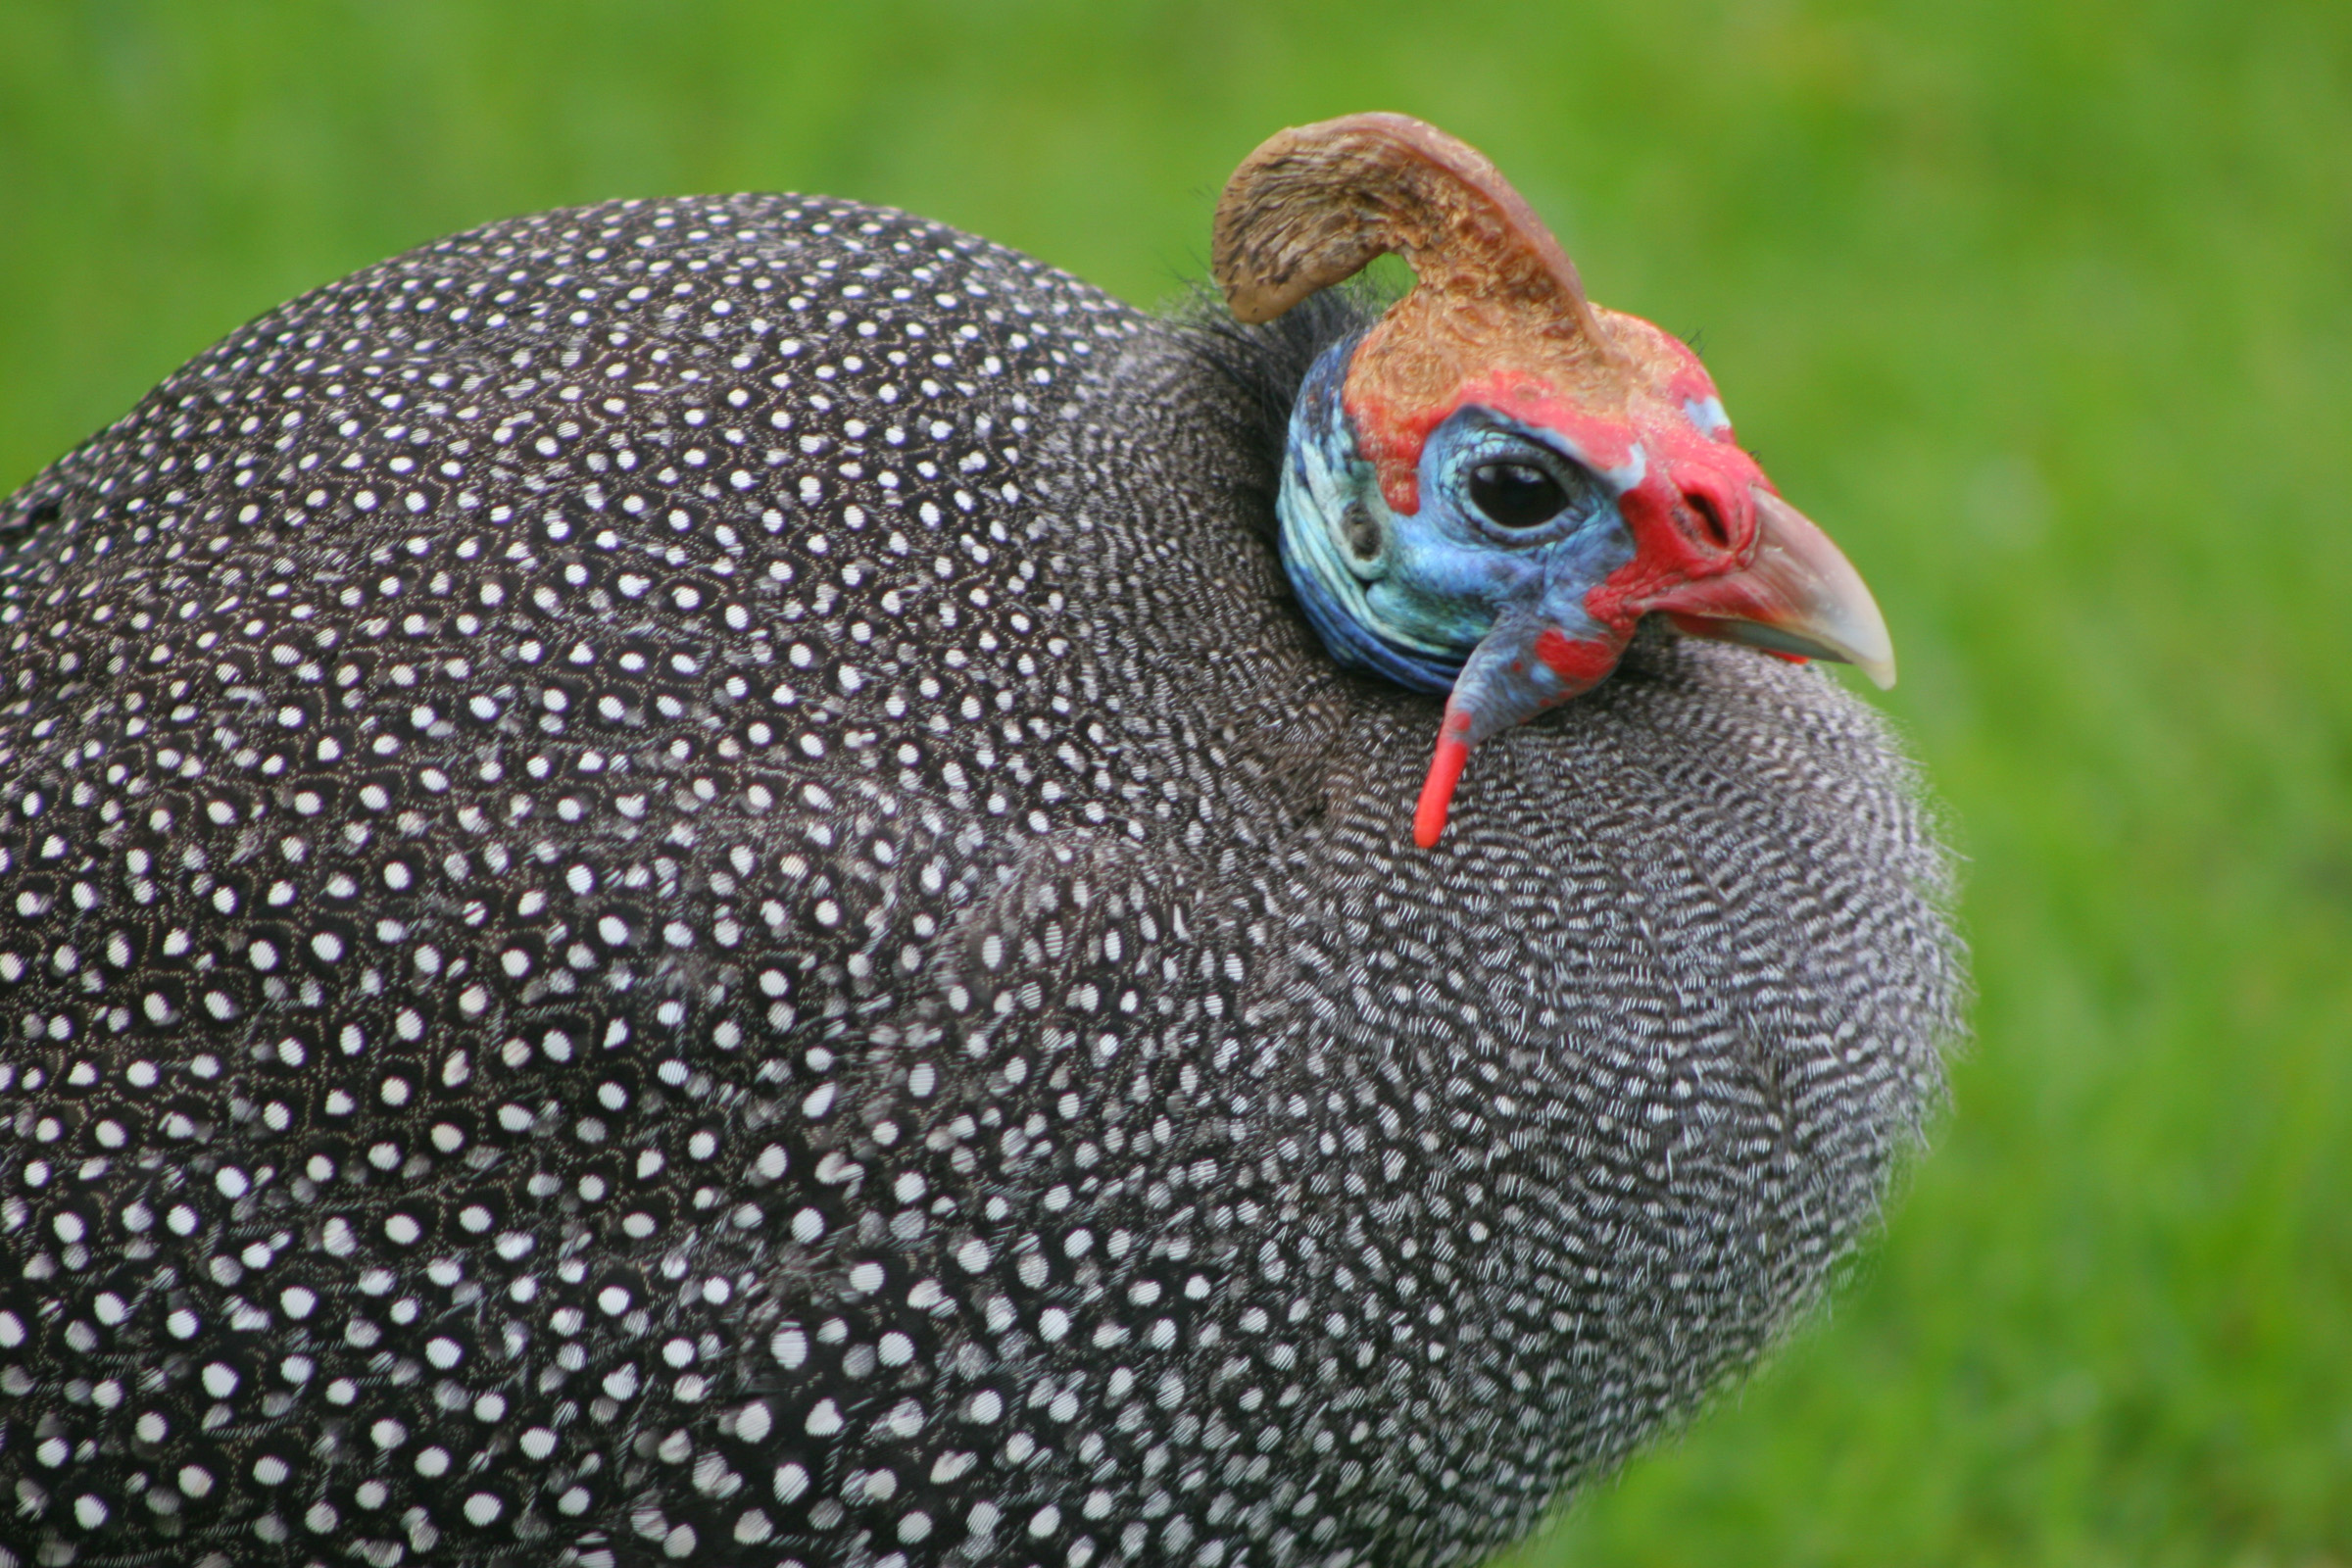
<point x="1516" y="495"/>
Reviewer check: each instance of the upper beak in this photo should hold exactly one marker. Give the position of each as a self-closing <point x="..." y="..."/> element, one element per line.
<point x="1799" y="596"/>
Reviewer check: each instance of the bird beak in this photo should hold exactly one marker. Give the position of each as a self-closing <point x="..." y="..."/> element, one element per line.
<point x="1799" y="596"/>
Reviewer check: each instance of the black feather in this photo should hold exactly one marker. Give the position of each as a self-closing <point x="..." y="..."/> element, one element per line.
<point x="1259" y="370"/>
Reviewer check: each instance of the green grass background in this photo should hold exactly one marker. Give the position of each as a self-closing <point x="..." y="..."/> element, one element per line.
<point x="2043" y="309"/>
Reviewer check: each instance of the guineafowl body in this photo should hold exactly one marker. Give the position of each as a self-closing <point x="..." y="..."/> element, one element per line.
<point x="681" y="886"/>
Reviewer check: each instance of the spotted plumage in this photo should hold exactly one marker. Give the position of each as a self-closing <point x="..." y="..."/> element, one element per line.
<point x="680" y="887"/>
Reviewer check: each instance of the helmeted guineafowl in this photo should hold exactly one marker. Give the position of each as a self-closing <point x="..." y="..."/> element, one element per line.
<point x="733" y="881"/>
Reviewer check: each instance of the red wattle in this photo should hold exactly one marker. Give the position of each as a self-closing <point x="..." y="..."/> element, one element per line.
<point x="1436" y="790"/>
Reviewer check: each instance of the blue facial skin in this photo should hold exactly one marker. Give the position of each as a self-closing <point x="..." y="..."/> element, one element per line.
<point x="1411" y="597"/>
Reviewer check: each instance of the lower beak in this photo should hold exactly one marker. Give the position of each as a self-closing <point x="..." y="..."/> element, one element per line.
<point x="1799" y="596"/>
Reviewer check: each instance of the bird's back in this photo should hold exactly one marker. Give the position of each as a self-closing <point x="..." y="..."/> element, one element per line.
<point x="681" y="888"/>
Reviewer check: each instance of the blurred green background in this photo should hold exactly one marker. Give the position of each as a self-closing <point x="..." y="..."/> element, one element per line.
<point x="2043" y="309"/>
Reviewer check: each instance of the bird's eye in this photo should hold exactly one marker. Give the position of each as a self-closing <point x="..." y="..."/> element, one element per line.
<point x="1516" y="495"/>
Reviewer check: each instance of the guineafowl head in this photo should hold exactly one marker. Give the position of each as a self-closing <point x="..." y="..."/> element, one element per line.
<point x="1485" y="491"/>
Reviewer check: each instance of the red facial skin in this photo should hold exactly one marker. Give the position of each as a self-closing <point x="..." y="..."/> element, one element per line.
<point x="1686" y="473"/>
